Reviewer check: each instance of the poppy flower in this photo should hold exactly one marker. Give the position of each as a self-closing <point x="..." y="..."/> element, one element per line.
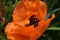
<point x="28" y="21"/>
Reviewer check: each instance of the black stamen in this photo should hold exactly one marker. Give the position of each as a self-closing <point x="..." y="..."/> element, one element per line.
<point x="34" y="21"/>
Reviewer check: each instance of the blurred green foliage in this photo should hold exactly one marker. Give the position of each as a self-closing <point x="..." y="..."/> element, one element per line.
<point x="52" y="32"/>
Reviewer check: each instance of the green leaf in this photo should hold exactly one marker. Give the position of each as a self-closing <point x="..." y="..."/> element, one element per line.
<point x="54" y="28"/>
<point x="52" y="4"/>
<point x="16" y="3"/>
<point x="51" y="12"/>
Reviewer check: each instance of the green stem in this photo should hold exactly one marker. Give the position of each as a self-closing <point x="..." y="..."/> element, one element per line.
<point x="51" y="12"/>
<point x="53" y="28"/>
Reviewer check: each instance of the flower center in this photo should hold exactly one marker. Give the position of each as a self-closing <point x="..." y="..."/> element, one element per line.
<point x="33" y="21"/>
